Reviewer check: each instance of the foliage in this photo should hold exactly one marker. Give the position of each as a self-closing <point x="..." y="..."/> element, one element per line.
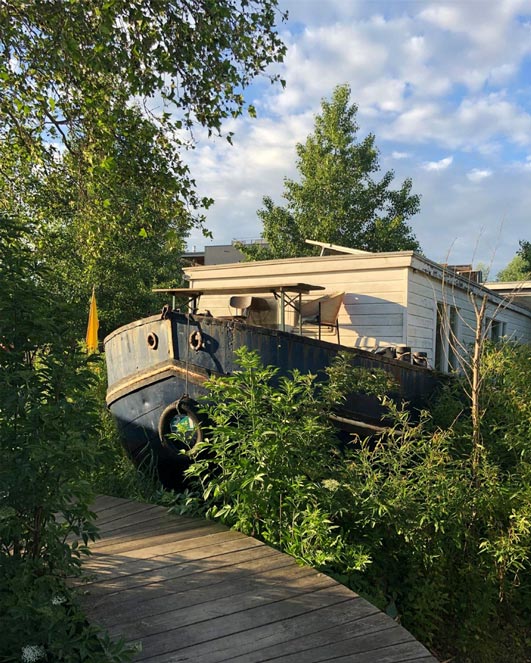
<point x="121" y="226"/>
<point x="115" y="474"/>
<point x="71" y="69"/>
<point x="42" y="622"/>
<point x="525" y="253"/>
<point x="97" y="108"/>
<point x="431" y="532"/>
<point x="47" y="424"/>
<point x="337" y="199"/>
<point x="344" y="379"/>
<point x="262" y="463"/>
<point x="514" y="271"/>
<point x="519" y="268"/>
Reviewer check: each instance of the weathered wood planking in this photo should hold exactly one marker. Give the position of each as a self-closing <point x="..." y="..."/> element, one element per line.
<point x="190" y="590"/>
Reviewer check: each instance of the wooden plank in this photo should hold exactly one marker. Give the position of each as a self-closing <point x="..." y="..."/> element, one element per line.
<point x="160" y="525"/>
<point x="148" y="540"/>
<point x="235" y="601"/>
<point x="212" y="628"/>
<point x="208" y="556"/>
<point x="195" y="591"/>
<point x="251" y="643"/>
<point x="137" y="585"/>
<point x="397" y="652"/>
<point x="351" y="636"/>
<point x="189" y="589"/>
<point x="103" y="502"/>
<point x="352" y="647"/>
<point x="119" y="511"/>
<point x="118" y="504"/>
<point x="134" y="519"/>
<point x="103" y="567"/>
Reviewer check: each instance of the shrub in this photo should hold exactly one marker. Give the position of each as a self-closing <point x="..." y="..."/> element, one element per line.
<point x="416" y="520"/>
<point x="265" y="460"/>
<point x="48" y="423"/>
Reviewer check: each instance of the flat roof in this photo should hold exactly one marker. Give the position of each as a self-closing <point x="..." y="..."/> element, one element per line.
<point x="518" y="292"/>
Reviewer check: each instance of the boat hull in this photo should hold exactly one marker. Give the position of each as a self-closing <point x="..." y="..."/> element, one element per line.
<point x="161" y="360"/>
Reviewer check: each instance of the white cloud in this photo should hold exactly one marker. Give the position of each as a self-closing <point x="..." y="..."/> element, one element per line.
<point x="444" y="17"/>
<point x="522" y="165"/>
<point x="477" y="175"/>
<point x="428" y="77"/>
<point x="502" y="74"/>
<point x="477" y="122"/>
<point x="443" y="164"/>
<point x="492" y="115"/>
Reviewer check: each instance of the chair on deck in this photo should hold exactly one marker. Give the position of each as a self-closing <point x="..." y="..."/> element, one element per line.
<point x="244" y="305"/>
<point x="323" y="312"/>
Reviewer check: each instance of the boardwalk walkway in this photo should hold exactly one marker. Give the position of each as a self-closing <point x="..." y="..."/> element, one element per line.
<point x="191" y="590"/>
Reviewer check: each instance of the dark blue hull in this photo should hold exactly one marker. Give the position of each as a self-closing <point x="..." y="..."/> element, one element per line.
<point x="154" y="362"/>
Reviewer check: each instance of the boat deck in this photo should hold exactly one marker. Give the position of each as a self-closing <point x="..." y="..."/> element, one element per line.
<point x="192" y="590"/>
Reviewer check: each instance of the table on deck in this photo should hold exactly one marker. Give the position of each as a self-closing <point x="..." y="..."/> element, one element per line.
<point x="193" y="590"/>
<point x="289" y="294"/>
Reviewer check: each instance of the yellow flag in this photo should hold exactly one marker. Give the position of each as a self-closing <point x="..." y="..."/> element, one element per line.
<point x="93" y="325"/>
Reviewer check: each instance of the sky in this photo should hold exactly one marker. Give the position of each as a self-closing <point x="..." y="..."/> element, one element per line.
<point x="444" y="86"/>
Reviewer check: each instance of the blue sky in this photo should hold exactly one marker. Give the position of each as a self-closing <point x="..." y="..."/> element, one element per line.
<point x="444" y="86"/>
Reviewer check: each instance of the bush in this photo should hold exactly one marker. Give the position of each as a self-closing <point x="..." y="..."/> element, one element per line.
<point x="264" y="460"/>
<point x="48" y="423"/>
<point x="114" y="473"/>
<point x="429" y="530"/>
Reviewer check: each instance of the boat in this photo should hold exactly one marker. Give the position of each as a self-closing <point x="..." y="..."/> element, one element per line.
<point x="157" y="367"/>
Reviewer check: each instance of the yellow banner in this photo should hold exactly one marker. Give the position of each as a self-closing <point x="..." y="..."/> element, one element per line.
<point x="93" y="325"/>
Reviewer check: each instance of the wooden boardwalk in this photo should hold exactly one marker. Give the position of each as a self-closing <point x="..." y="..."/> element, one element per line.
<point x="191" y="590"/>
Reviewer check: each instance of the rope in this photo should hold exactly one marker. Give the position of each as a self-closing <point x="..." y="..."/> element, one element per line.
<point x="187" y="359"/>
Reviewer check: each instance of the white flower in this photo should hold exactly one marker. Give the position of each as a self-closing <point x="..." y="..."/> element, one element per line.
<point x="57" y="600"/>
<point x="331" y="484"/>
<point x="32" y="653"/>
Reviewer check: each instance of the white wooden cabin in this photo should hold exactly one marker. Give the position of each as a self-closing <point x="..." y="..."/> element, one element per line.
<point x="391" y="299"/>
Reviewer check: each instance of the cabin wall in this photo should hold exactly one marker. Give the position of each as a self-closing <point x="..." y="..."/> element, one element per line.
<point x="390" y="299"/>
<point x="428" y="294"/>
<point x="373" y="313"/>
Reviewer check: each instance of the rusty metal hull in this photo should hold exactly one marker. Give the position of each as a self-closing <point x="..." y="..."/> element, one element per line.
<point x="153" y="362"/>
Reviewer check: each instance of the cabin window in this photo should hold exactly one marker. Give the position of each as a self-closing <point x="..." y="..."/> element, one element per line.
<point x="497" y="330"/>
<point x="447" y="338"/>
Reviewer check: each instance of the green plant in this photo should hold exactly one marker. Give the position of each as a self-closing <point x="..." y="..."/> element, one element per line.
<point x="42" y="621"/>
<point x="416" y="520"/>
<point x="261" y="465"/>
<point x="48" y="423"/>
<point x="447" y="528"/>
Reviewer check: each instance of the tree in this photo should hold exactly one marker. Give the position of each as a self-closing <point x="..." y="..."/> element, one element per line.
<point x="70" y="68"/>
<point x="97" y="105"/>
<point x="519" y="268"/>
<point x="525" y="253"/>
<point x="337" y="199"/>
<point x="121" y="227"/>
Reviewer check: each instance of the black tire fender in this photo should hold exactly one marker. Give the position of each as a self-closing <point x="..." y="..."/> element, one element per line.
<point x="183" y="406"/>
